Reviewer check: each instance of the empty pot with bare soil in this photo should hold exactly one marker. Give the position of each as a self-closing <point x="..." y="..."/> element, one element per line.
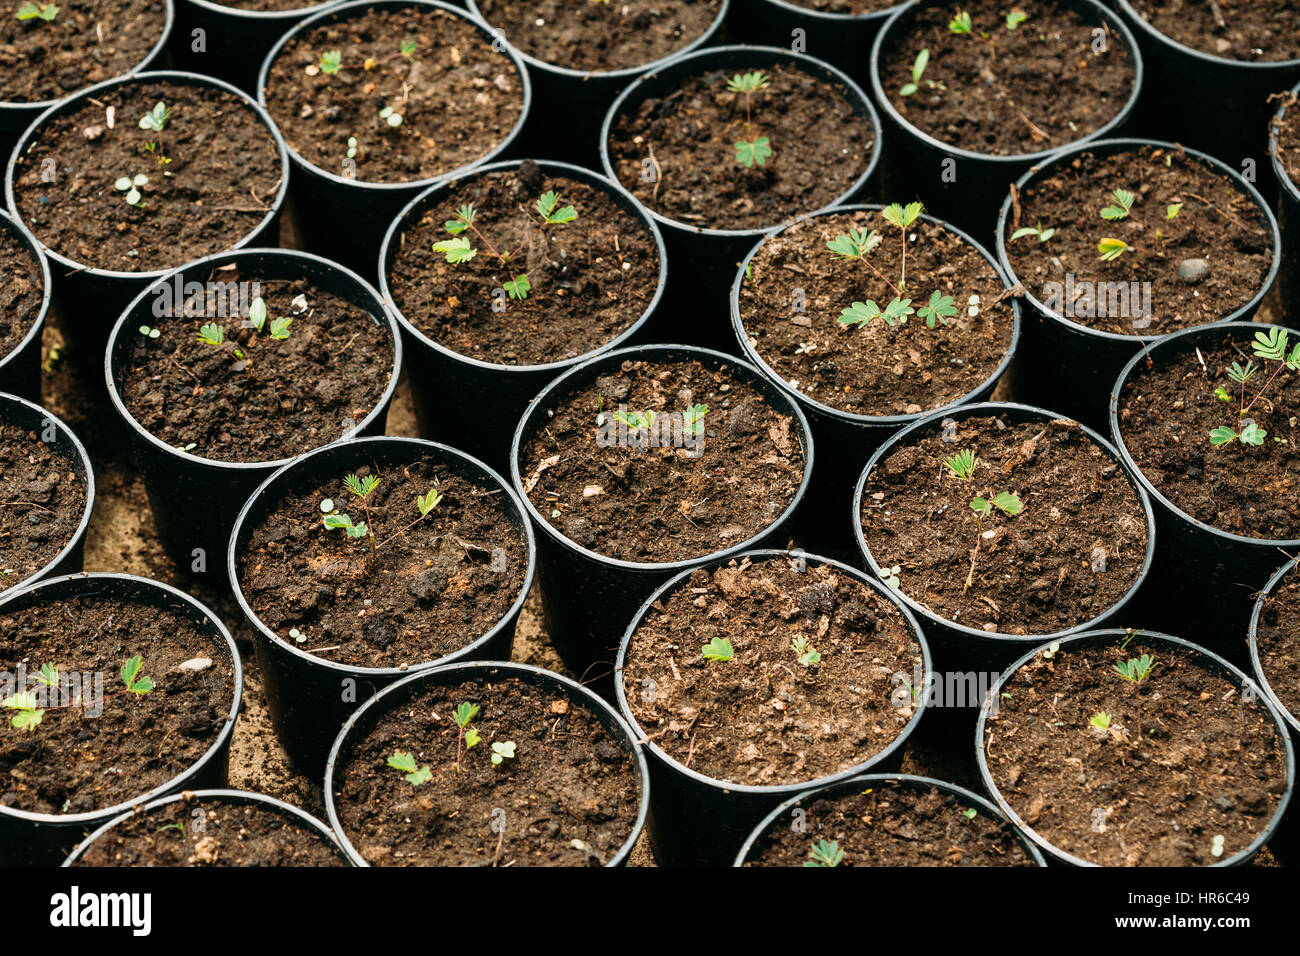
<point x="1284" y="152"/>
<point x="1275" y="662"/>
<point x="51" y="50"/>
<point x="507" y="275"/>
<point x="1132" y="748"/>
<point x="491" y="764"/>
<point x="377" y="101"/>
<point x="724" y="144"/>
<point x="1208" y="420"/>
<point x="580" y="55"/>
<point x="49" y="479"/>
<point x="1001" y="526"/>
<point x="886" y="821"/>
<point x="1117" y="244"/>
<point x="24" y="305"/>
<point x="231" y="366"/>
<point x="975" y="94"/>
<point x="643" y="463"/>
<point x="211" y="828"/>
<point x="1220" y="60"/>
<point x="128" y="179"/>
<point x="754" y="678"/>
<point x="364" y="560"/>
<point x="106" y="671"/>
<point x="871" y="317"/>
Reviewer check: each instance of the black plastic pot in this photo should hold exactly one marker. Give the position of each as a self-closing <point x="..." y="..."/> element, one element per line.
<point x="1212" y="103"/>
<point x="1112" y="637"/>
<point x="957" y="647"/>
<point x="1288" y="221"/>
<point x="309" y="698"/>
<point x="704" y="260"/>
<point x="846" y="439"/>
<point x="844" y="788"/>
<point x="588" y="598"/>
<point x="1056" y="349"/>
<point x="970" y="194"/>
<point x="395" y="695"/>
<point x="89" y="300"/>
<point x="175" y="479"/>
<point x="697" y="820"/>
<point x="234" y="40"/>
<point x="440" y="378"/>
<point x="569" y="105"/>
<point x="1204" y="579"/>
<point x="42" y="839"/>
<point x="218" y="797"/>
<point x="22" y="413"/>
<point x="345" y="219"/>
<point x="16" y="117"/>
<point x="20" y="369"/>
<point x="837" y="38"/>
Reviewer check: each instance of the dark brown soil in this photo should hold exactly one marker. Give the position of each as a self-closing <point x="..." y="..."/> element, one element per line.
<point x="854" y="7"/>
<point x="1277" y="639"/>
<point x="76" y="762"/>
<point x="568" y="797"/>
<point x="898" y="824"/>
<point x="1256" y="30"/>
<point x="600" y="35"/>
<point x="1288" y="136"/>
<point x="1218" y="223"/>
<point x="657" y="504"/>
<point x="294" y="395"/>
<point x="763" y="718"/>
<point x="44" y="501"/>
<point x="1167" y="412"/>
<point x="1185" y="758"/>
<point x="419" y="596"/>
<point x="222" y="179"/>
<point x="273" y="5"/>
<point x="89" y="41"/>
<point x="1037" y="87"/>
<point x="591" y="278"/>
<point x="820" y="146"/>
<point x="209" y="831"/>
<point x="876" y="369"/>
<point x="457" y="97"/>
<point x="21" y="291"/>
<point x="1033" y="572"/>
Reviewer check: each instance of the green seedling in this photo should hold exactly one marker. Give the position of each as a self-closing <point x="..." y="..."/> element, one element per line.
<point x="1123" y="205"/>
<point x="970" y="813"/>
<point x="1110" y="248"/>
<point x="1270" y="346"/>
<point x="962" y="467"/>
<point x="961" y="24"/>
<point x="155" y="121"/>
<point x="755" y="150"/>
<point x="1135" y="669"/>
<point x="824" y="853"/>
<point x="331" y="61"/>
<point x="37" y="11"/>
<point x="918" y="70"/>
<point x="1015" y="18"/>
<point x="1100" y="720"/>
<point x="390" y="116"/>
<point x="1037" y="230"/>
<point x="718" y="649"/>
<point x="459" y="249"/>
<point x="805" y="653"/>
<point x="467" y="738"/>
<point x="405" y="762"/>
<point x="149" y="333"/>
<point x="130" y="187"/>
<point x="132" y="678"/>
<point x="503" y="751"/>
<point x="693" y="418"/>
<point x="938" y="310"/>
<point x="903" y="217"/>
<point x="635" y="420"/>
<point x="258" y="316"/>
<point x="27" y="714"/>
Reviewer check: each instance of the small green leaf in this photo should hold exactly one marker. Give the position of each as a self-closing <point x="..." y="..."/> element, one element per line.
<point x="757" y="152"/>
<point x="518" y="287"/>
<point x="257" y="313"/>
<point x="212" y="334"/>
<point x="280" y="327"/>
<point x="465" y="712"/>
<point x="331" y="61"/>
<point x="472" y="738"/>
<point x="428" y="502"/>
<point x="961" y="23"/>
<point x="456" y="250"/>
<point x="1252" y="434"/>
<point x="1111" y="249"/>
<point x="1008" y="503"/>
<point x="503" y="751"/>
<point x="825" y="853"/>
<point x="902" y="216"/>
<point x="1222" y="435"/>
<point x="718" y="649"/>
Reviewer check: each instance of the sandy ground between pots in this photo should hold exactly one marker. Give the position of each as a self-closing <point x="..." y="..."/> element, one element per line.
<point x="122" y="538"/>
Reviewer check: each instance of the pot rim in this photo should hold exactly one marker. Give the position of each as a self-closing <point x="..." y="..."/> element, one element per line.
<point x="25" y="238"/>
<point x="808" y="64"/>
<point x="1284" y="179"/>
<point x="220" y="741"/>
<point x="752" y="355"/>
<point x="1172" y="340"/>
<point x="593" y="702"/>
<point x="431" y="449"/>
<point x="996" y="638"/>
<point x="384" y="320"/>
<point x="1255" y="662"/>
<point x="1101" y="635"/>
<point x="1203" y="59"/>
<point x="555" y="168"/>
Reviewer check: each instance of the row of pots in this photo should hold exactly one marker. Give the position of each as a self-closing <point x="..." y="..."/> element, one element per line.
<point x="693" y="818"/>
